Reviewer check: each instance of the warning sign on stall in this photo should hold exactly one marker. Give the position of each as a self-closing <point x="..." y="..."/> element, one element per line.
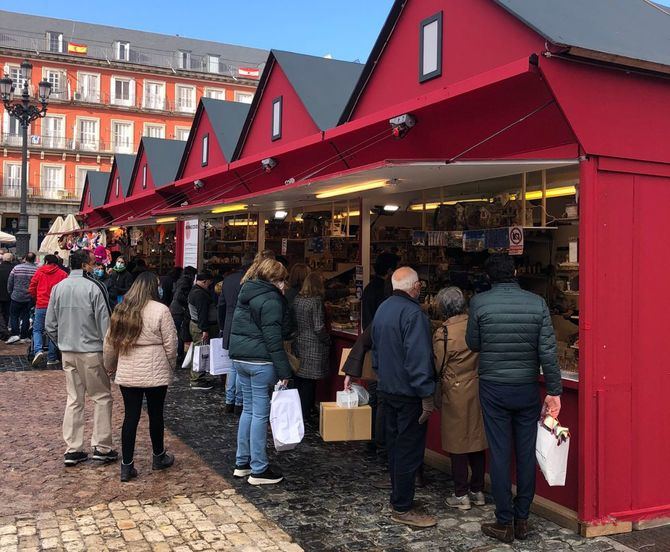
<point x="516" y="240"/>
<point x="284" y="246"/>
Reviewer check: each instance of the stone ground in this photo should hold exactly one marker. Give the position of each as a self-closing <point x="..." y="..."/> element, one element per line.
<point x="326" y="503"/>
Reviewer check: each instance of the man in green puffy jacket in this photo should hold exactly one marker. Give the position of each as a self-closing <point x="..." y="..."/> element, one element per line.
<point x="511" y="330"/>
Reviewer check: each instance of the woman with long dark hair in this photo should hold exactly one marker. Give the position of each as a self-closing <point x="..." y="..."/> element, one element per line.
<point x="141" y="349"/>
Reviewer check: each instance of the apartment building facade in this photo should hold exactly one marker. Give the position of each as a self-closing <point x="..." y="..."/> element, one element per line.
<point x="110" y="87"/>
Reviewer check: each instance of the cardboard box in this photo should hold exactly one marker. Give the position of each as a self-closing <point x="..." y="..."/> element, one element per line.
<point x="368" y="371"/>
<point x="345" y="424"/>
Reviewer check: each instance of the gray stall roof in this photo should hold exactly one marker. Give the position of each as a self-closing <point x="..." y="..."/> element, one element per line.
<point x="124" y="163"/>
<point x="97" y="186"/>
<point x="163" y="157"/>
<point x="633" y="29"/>
<point x="227" y="119"/>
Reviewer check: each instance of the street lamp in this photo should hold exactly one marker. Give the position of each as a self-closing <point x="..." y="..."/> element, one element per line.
<point x="22" y="109"/>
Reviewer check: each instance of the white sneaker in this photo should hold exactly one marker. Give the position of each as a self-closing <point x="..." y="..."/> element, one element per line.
<point x="478" y="499"/>
<point x="12" y="339"/>
<point x="460" y="502"/>
<point x="38" y="358"/>
<point x="25" y="340"/>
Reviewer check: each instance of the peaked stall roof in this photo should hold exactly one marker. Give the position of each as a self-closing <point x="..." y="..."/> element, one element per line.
<point x="322" y="84"/>
<point x="124" y="163"/>
<point x="227" y="119"/>
<point x="163" y="157"/>
<point x="634" y="29"/>
<point x="97" y="183"/>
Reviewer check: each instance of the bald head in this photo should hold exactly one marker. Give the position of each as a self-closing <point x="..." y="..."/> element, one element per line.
<point x="407" y="280"/>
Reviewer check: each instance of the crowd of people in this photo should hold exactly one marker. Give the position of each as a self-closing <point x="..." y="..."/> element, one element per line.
<point x="479" y="365"/>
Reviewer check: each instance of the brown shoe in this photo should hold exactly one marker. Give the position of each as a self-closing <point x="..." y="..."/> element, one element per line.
<point x="521" y="529"/>
<point x="382" y="483"/>
<point x="504" y="533"/>
<point x="414" y="518"/>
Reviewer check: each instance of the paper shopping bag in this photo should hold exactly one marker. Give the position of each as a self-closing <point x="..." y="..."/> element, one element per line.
<point x="551" y="451"/>
<point x="188" y="359"/>
<point x="286" y="419"/>
<point x="201" y="358"/>
<point x="219" y="361"/>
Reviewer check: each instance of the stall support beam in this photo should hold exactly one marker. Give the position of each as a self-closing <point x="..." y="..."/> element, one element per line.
<point x="261" y="231"/>
<point x="544" y="199"/>
<point x="524" y="186"/>
<point x="365" y="239"/>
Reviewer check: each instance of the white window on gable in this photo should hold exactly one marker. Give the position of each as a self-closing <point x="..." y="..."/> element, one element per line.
<point x="54" y="42"/>
<point x="144" y="176"/>
<point x="276" y="118"/>
<point x="213" y="63"/>
<point x="117" y="186"/>
<point x="205" y="149"/>
<point x="430" y="47"/>
<point x="122" y="50"/>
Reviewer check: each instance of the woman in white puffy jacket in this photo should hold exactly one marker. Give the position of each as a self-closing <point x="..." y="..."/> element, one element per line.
<point x="140" y="351"/>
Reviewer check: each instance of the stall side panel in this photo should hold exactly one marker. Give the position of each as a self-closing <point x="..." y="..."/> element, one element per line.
<point x="651" y="367"/>
<point x="612" y="332"/>
<point x="194" y="159"/>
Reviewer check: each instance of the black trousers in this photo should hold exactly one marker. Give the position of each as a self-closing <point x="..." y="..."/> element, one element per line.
<point x="4" y="319"/>
<point x="178" y="321"/>
<point x="459" y="471"/>
<point x="378" y="424"/>
<point x="132" y="403"/>
<point x="511" y="413"/>
<point x="406" y="442"/>
<point x="307" y="391"/>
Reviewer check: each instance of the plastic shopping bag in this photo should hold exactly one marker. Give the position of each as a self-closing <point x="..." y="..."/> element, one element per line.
<point x="219" y="361"/>
<point x="362" y="392"/>
<point x="188" y="359"/>
<point x="286" y="418"/>
<point x="347" y="398"/>
<point x="551" y="450"/>
<point x="201" y="358"/>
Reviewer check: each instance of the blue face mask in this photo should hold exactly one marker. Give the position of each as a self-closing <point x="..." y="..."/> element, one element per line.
<point x="160" y="292"/>
<point x="99" y="272"/>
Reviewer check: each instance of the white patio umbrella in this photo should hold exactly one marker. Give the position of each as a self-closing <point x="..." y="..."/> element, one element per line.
<point x="7" y="238"/>
<point x="70" y="224"/>
<point x="50" y="241"/>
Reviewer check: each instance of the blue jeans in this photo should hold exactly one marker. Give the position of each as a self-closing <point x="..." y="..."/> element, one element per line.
<point x="19" y="318"/>
<point x="510" y="414"/>
<point x="38" y="335"/>
<point x="256" y="380"/>
<point x="233" y="391"/>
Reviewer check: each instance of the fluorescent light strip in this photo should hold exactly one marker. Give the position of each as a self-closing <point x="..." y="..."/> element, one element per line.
<point x="165" y="219"/>
<point x="552" y="192"/>
<point x="229" y="208"/>
<point x="432" y="206"/>
<point x="351" y="189"/>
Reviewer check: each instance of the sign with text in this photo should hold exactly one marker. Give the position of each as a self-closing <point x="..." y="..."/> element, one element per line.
<point x="284" y="246"/>
<point x="191" y="235"/>
<point x="516" y="240"/>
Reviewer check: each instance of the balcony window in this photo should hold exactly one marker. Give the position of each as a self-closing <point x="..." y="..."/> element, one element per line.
<point x="244" y="97"/>
<point x="58" y="80"/>
<point x="80" y="180"/>
<point x="88" y="88"/>
<point x="122" y="137"/>
<point x="215" y="93"/>
<point x="88" y="134"/>
<point x="14" y="72"/>
<point x="154" y="131"/>
<point x="122" y="51"/>
<point x="183" y="59"/>
<point x="430" y="48"/>
<point x="53" y="182"/>
<point x="213" y="64"/>
<point x="11" y="130"/>
<point x="185" y="98"/>
<point x="154" y="95"/>
<point x="11" y="183"/>
<point x="54" y="42"/>
<point x="123" y="91"/>
<point x="53" y="132"/>
<point x="181" y="133"/>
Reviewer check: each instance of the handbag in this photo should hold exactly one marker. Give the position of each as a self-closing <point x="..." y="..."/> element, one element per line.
<point x="437" y="395"/>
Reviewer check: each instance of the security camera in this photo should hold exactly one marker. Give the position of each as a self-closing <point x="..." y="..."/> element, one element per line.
<point x="401" y="124"/>
<point x="198" y="184"/>
<point x="268" y="164"/>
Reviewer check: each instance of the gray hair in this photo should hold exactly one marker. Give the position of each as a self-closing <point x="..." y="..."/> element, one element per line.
<point x="450" y="301"/>
<point x="404" y="278"/>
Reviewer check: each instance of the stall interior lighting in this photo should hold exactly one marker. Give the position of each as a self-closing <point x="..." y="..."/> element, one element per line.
<point x="344" y="215"/>
<point x="298" y="218"/>
<point x="391" y="208"/>
<point x="229" y="208"/>
<point x="165" y="219"/>
<point x="434" y="205"/>
<point x="246" y="222"/>
<point x="114" y="228"/>
<point x="551" y="192"/>
<point x="352" y="189"/>
<point x="281" y="215"/>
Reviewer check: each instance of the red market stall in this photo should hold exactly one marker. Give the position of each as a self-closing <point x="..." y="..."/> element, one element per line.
<point x="507" y="97"/>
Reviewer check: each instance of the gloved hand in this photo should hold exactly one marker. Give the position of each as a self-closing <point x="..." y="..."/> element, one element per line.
<point x="427" y="405"/>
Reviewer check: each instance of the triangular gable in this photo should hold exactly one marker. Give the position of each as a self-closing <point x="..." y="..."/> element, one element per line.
<point x="312" y="91"/>
<point x="123" y="169"/>
<point x="222" y="121"/>
<point x="96" y="184"/>
<point x="161" y="157"/>
<point x="476" y="36"/>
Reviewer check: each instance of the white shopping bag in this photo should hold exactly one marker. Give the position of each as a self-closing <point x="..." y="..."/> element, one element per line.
<point x="219" y="361"/>
<point x="286" y="418"/>
<point x="201" y="358"/>
<point x="551" y="450"/>
<point x="188" y="359"/>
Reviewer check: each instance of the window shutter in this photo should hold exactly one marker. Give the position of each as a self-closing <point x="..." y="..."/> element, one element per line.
<point x="132" y="92"/>
<point x="112" y="92"/>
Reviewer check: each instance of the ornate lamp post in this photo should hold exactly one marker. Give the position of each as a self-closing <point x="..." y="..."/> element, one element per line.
<point x="26" y="112"/>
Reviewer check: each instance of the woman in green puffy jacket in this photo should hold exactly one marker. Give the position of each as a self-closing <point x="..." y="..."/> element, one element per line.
<point x="257" y="351"/>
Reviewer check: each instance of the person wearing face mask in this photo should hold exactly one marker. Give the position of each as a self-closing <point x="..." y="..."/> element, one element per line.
<point x="119" y="281"/>
<point x="402" y="351"/>
<point x="77" y="320"/>
<point x="99" y="273"/>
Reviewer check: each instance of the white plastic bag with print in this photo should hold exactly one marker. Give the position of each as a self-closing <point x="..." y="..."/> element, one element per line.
<point x="551" y="450"/>
<point x="219" y="361"/>
<point x="286" y="418"/>
<point x="201" y="358"/>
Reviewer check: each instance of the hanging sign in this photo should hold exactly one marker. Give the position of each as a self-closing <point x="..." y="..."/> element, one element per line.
<point x="284" y="246"/>
<point x="516" y="240"/>
<point x="191" y="243"/>
<point x="358" y="281"/>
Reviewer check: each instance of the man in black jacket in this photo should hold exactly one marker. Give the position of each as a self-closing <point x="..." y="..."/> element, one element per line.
<point x="203" y="325"/>
<point x="403" y="354"/>
<point x="227" y="302"/>
<point x="511" y="330"/>
<point x="179" y="307"/>
<point x="6" y="266"/>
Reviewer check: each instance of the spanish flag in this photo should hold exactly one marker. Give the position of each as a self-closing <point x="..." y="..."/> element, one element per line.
<point x="80" y="49"/>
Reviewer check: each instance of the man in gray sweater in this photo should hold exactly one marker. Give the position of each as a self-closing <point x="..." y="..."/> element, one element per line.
<point x="77" y="320"/>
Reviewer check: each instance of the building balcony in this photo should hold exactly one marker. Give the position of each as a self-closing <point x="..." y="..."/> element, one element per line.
<point x="58" y="194"/>
<point x="11" y="190"/>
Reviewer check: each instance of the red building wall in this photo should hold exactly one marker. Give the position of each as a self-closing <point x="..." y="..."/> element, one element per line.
<point x="296" y="121"/>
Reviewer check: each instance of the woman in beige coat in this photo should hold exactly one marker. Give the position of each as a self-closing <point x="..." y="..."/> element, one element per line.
<point x="140" y="349"/>
<point x="461" y="424"/>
